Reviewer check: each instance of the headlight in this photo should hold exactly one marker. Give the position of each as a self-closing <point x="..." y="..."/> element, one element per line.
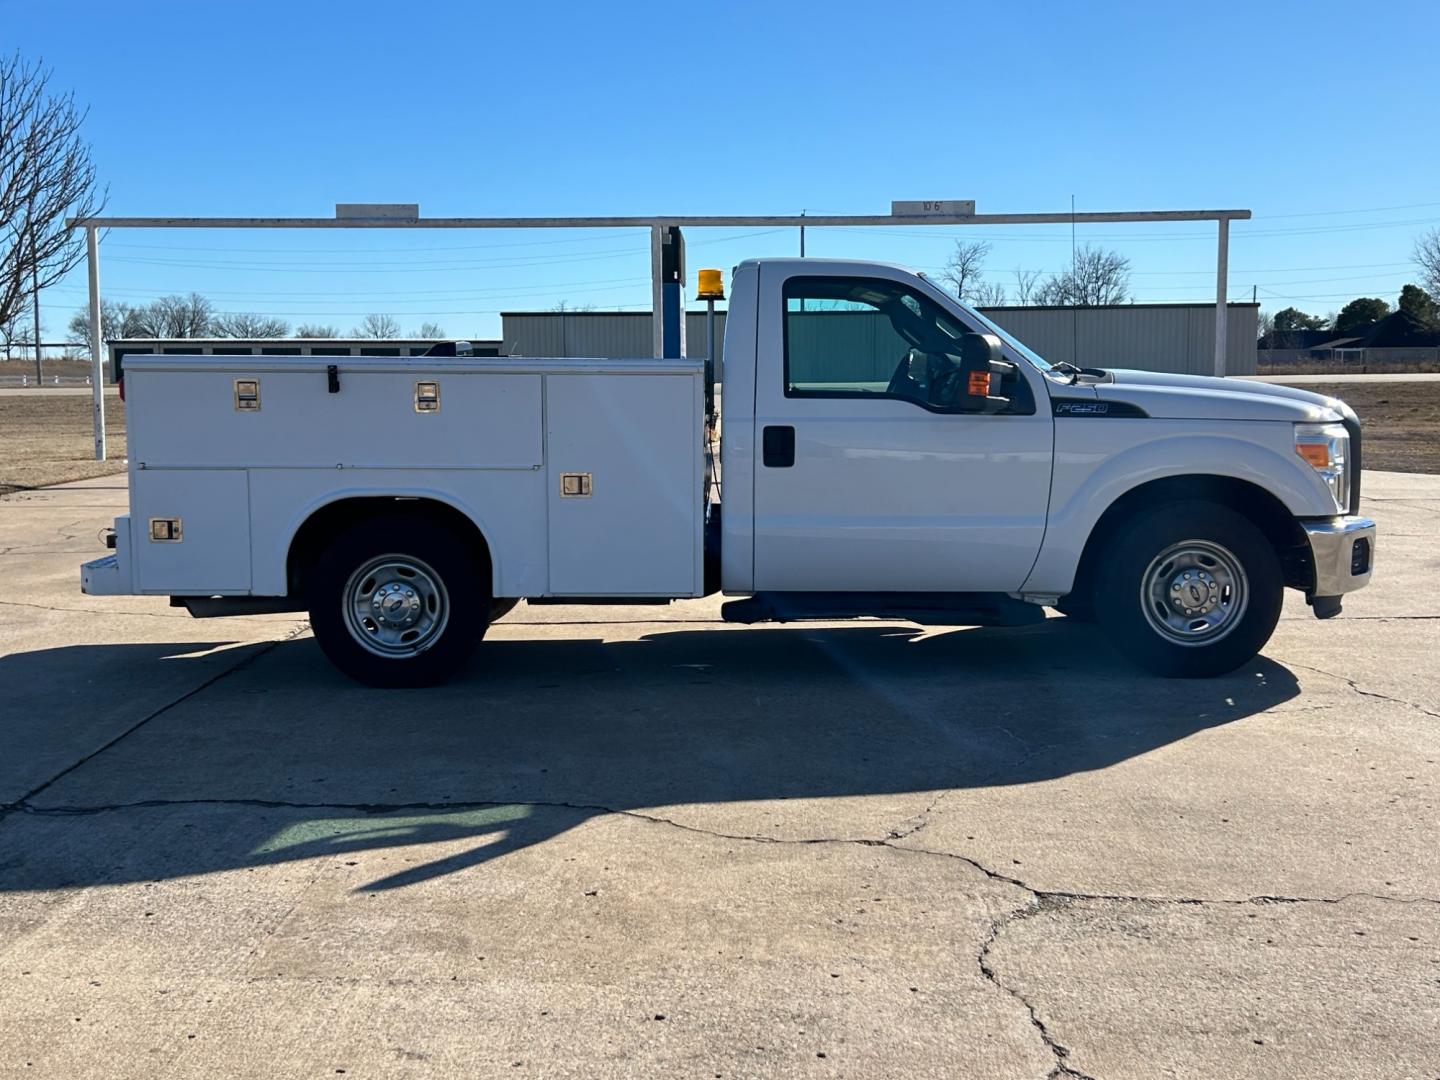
<point x="1326" y="448"/>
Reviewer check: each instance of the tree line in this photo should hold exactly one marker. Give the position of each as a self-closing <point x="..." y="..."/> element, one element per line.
<point x="194" y="316"/>
<point x="1283" y="329"/>
<point x="1096" y="276"/>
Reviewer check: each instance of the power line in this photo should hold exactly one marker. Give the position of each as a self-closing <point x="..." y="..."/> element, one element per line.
<point x="455" y="294"/>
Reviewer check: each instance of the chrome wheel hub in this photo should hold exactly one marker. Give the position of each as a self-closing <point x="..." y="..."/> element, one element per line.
<point x="1194" y="592"/>
<point x="395" y="606"/>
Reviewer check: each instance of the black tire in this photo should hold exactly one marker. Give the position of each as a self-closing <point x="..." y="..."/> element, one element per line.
<point x="1142" y="587"/>
<point x="448" y="598"/>
<point x="1078" y="606"/>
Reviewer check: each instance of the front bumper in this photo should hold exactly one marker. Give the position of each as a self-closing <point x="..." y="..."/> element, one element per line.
<point x="1342" y="551"/>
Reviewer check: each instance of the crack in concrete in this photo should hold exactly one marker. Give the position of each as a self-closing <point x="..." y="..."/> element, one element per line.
<point x="244" y="662"/>
<point x="1039" y="899"/>
<point x="920" y="820"/>
<point x="987" y="970"/>
<point x="25" y="806"/>
<point x="1353" y="685"/>
<point x="90" y="611"/>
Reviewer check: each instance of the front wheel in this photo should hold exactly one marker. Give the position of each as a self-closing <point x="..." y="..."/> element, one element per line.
<point x="1190" y="590"/>
<point x="398" y="602"/>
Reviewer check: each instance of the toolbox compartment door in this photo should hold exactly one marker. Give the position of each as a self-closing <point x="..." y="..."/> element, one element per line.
<point x="212" y="554"/>
<point x="628" y="447"/>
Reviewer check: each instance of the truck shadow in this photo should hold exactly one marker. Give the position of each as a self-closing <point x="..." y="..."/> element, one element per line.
<point x="284" y="759"/>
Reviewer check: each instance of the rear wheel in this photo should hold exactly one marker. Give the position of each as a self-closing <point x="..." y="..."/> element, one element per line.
<point x="1190" y="590"/>
<point x="398" y="602"/>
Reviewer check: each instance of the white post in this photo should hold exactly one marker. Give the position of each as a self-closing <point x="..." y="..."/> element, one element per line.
<point x="97" y="362"/>
<point x="657" y="291"/>
<point x="1222" y="310"/>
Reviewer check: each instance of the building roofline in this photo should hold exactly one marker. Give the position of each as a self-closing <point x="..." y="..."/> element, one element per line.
<point x="295" y="341"/>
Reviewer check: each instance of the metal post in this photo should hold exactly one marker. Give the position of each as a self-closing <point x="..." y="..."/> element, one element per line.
<point x="657" y="291"/>
<point x="711" y="368"/>
<point x="1222" y="310"/>
<point x="97" y="363"/>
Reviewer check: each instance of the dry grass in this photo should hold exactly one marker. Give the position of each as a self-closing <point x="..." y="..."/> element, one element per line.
<point x="1337" y="367"/>
<point x="1400" y="422"/>
<point x="69" y="367"/>
<point x="45" y="439"/>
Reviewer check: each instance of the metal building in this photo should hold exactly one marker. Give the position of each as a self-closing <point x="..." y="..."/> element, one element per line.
<point x="1153" y="337"/>
<point x="609" y="334"/>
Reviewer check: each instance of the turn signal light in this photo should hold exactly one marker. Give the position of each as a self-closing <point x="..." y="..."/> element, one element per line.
<point x="979" y="385"/>
<point x="1316" y="454"/>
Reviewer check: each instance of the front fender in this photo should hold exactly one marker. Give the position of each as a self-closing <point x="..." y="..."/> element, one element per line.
<point x="1097" y="461"/>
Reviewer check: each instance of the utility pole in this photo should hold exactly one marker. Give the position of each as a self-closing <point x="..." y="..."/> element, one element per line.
<point x="802" y="236"/>
<point x="35" y="291"/>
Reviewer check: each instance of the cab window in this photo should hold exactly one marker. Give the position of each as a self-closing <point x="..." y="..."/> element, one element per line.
<point x="868" y="337"/>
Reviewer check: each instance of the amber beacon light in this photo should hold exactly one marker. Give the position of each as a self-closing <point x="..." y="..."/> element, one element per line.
<point x="711" y="286"/>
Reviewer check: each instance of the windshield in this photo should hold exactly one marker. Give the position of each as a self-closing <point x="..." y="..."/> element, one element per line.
<point x="1010" y="339"/>
<point x="1004" y="335"/>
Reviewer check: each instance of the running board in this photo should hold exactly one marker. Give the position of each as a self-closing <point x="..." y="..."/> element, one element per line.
<point x="927" y="609"/>
<point x="215" y="607"/>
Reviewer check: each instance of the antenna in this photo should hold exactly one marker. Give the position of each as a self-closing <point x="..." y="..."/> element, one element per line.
<point x="1074" y="282"/>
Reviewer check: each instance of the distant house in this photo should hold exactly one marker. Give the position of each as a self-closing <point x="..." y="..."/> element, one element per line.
<point x="1399" y="337"/>
<point x="1293" y="339"/>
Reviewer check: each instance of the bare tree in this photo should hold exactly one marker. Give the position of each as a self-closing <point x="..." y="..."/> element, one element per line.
<point x="1264" y="326"/>
<point x="1096" y="277"/>
<point x="964" y="267"/>
<point x="377" y="326"/>
<point x="240" y="324"/>
<point x="174" y="317"/>
<point x="1427" y="257"/>
<point x="430" y="330"/>
<point x="565" y="305"/>
<point x="14" y="330"/>
<point x="988" y="294"/>
<point x="317" y="330"/>
<point x="1027" y="283"/>
<point x="117" y="320"/>
<point x="46" y="175"/>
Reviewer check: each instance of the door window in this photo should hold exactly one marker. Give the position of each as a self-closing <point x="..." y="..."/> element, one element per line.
<point x="867" y="337"/>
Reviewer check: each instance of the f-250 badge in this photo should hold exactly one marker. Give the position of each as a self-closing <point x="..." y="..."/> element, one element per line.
<point x="1081" y="408"/>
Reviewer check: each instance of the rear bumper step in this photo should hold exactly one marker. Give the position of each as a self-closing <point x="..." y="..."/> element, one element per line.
<point x="105" y="577"/>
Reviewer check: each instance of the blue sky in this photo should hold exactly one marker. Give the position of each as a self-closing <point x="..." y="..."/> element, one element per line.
<point x="1321" y="118"/>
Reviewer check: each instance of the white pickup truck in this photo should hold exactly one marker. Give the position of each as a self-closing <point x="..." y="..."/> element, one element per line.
<point x="886" y="451"/>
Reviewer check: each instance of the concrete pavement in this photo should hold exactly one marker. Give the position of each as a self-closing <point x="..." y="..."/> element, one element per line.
<point x="638" y="842"/>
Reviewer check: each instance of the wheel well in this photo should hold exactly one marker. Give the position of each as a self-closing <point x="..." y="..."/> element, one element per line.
<point x="321" y="527"/>
<point x="1259" y="506"/>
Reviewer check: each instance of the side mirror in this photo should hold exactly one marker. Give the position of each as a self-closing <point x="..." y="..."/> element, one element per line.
<point x="982" y="371"/>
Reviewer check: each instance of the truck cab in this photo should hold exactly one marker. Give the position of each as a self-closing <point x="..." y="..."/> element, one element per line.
<point x="883" y="450"/>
